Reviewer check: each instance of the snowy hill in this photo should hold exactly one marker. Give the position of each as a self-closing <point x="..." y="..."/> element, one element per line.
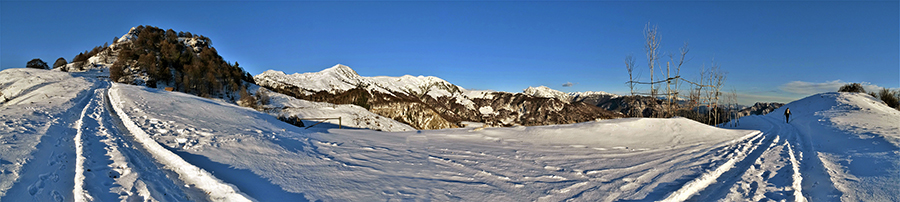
<point x="427" y="102"/>
<point x="846" y="146"/>
<point x="75" y="136"/>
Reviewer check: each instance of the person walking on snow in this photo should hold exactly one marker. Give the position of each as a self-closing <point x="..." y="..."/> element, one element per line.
<point x="787" y="115"/>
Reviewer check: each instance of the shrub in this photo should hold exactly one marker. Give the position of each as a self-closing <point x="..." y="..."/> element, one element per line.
<point x="37" y="63"/>
<point x="263" y="97"/>
<point x="889" y="97"/>
<point x="853" y="88"/>
<point x="116" y="70"/>
<point x="247" y="100"/>
<point x="59" y="62"/>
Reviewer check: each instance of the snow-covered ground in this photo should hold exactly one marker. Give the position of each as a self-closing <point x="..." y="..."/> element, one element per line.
<point x="354" y="116"/>
<point x="77" y="137"/>
<point x="844" y="146"/>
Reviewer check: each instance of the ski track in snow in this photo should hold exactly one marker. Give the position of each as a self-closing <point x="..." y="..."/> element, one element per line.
<point x="768" y="171"/>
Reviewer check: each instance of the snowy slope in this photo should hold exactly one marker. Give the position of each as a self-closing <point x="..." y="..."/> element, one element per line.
<point x="36" y="133"/>
<point x="76" y="137"/>
<point x="546" y="92"/>
<point x="351" y="115"/>
<point x="633" y="158"/>
<point x="837" y="146"/>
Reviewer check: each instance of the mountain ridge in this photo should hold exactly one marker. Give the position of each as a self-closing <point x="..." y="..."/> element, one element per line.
<point x="435" y="102"/>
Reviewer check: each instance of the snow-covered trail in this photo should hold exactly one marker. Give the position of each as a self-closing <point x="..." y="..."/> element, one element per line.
<point x="772" y="170"/>
<point x="837" y="147"/>
<point x="109" y="166"/>
<point x="37" y="155"/>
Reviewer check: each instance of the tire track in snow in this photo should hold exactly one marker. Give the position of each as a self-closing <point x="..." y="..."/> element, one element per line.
<point x="108" y="167"/>
<point x="191" y="175"/>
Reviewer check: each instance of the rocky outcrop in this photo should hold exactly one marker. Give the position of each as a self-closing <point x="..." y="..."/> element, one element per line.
<point x="634" y="105"/>
<point x="415" y="114"/>
<point x="520" y="109"/>
<point x="760" y="108"/>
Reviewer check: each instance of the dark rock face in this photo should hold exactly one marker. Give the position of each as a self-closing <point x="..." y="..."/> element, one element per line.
<point x="426" y="112"/>
<point x="594" y="99"/>
<point x="760" y="108"/>
<point x="635" y="105"/>
<point x="521" y="109"/>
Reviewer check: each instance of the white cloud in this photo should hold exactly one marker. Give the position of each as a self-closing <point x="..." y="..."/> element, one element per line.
<point x="568" y="84"/>
<point x="807" y="88"/>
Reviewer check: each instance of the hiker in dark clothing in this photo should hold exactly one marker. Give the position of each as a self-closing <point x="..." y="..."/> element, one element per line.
<point x="787" y="115"/>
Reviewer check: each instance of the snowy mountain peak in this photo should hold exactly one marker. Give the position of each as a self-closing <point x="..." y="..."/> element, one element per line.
<point x="132" y="34"/>
<point x="546" y="92"/>
<point x="341" y="70"/>
<point x="590" y="97"/>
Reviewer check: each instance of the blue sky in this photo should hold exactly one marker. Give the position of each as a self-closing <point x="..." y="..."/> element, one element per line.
<point x="772" y="51"/>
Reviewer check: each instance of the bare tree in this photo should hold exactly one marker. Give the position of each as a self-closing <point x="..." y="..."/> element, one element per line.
<point x="629" y="65"/>
<point x="716" y="78"/>
<point x="706" y="91"/>
<point x="733" y="107"/>
<point x="651" y="45"/>
<point x="673" y="80"/>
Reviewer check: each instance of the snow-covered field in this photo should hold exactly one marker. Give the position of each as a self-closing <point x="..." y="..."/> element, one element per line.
<point x="77" y="137"/>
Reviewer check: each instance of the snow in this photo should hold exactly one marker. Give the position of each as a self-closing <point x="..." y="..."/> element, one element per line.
<point x="74" y="136"/>
<point x="341" y="78"/>
<point x="547" y="92"/>
<point x="841" y="146"/>
<point x="575" y="95"/>
<point x="36" y="132"/>
<point x="188" y="173"/>
<point x="132" y="34"/>
<point x="554" y="162"/>
<point x="351" y="115"/>
<point x="486" y="110"/>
